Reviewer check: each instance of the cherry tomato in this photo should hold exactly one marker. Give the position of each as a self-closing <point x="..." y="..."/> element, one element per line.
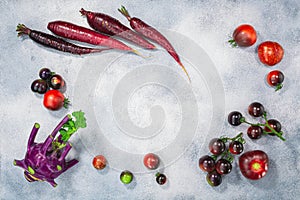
<point x="151" y="161"/>
<point x="275" y="79"/>
<point x="254" y="164"/>
<point x="99" y="162"/>
<point x="55" y="100"/>
<point x="243" y="36"/>
<point x="270" y="53"/>
<point x="56" y="82"/>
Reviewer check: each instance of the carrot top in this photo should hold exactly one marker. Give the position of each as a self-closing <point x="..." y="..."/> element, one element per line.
<point x="22" y="29"/>
<point x="124" y="12"/>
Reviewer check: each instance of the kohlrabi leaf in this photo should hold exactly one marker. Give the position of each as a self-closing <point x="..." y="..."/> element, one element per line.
<point x="80" y="121"/>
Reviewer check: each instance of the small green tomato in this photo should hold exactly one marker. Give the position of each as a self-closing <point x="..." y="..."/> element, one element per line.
<point x="126" y="177"/>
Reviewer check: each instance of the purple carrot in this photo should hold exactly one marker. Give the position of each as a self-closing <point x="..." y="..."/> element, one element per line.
<point x="111" y="26"/>
<point x="74" y="32"/>
<point x="148" y="31"/>
<point x="53" y="42"/>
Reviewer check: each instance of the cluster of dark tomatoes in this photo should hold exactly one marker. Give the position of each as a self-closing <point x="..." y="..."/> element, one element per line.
<point x="51" y="85"/>
<point x="252" y="164"/>
<point x="269" y="53"/>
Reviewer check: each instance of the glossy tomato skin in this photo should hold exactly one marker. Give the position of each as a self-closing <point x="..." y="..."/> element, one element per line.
<point x="151" y="161"/>
<point x="244" y="35"/>
<point x="254" y="164"/>
<point x="99" y="162"/>
<point x="53" y="100"/>
<point x="270" y="53"/>
<point x="275" y="78"/>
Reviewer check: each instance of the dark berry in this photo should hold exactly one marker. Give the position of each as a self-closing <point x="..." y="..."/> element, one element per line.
<point x="256" y="109"/>
<point x="234" y="118"/>
<point x="216" y="146"/>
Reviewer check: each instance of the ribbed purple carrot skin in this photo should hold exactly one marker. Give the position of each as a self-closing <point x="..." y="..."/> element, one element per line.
<point x="111" y="26"/>
<point x="53" y="42"/>
<point x="148" y="31"/>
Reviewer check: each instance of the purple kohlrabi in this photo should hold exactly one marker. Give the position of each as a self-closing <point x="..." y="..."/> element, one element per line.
<point x="46" y="161"/>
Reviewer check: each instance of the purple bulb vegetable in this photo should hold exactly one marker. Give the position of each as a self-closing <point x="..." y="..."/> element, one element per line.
<point x="46" y="161"/>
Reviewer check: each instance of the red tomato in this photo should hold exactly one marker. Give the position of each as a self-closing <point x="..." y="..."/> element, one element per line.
<point x="151" y="161"/>
<point x="244" y="36"/>
<point x="270" y="53"/>
<point x="275" y="79"/>
<point x="254" y="164"/>
<point x="54" y="100"/>
<point x="99" y="162"/>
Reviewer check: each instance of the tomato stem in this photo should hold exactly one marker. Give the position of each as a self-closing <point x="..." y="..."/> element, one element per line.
<point x="233" y="43"/>
<point x="278" y="87"/>
<point x="66" y="103"/>
<point x="239" y="138"/>
<point x="273" y="131"/>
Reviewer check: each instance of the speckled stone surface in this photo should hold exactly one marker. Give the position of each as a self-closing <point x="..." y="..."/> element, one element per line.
<point x="138" y="105"/>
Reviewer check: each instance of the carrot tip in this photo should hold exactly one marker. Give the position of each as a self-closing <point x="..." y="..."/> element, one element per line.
<point x="182" y="66"/>
<point x="138" y="53"/>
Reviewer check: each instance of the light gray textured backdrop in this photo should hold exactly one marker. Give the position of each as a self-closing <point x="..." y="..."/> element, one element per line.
<point x="182" y="117"/>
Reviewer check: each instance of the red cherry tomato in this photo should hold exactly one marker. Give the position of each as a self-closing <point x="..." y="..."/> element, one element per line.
<point x="275" y="79"/>
<point x="270" y="53"/>
<point x="151" y="161"/>
<point x="54" y="100"/>
<point x="99" y="162"/>
<point x="244" y="36"/>
<point x="254" y="164"/>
